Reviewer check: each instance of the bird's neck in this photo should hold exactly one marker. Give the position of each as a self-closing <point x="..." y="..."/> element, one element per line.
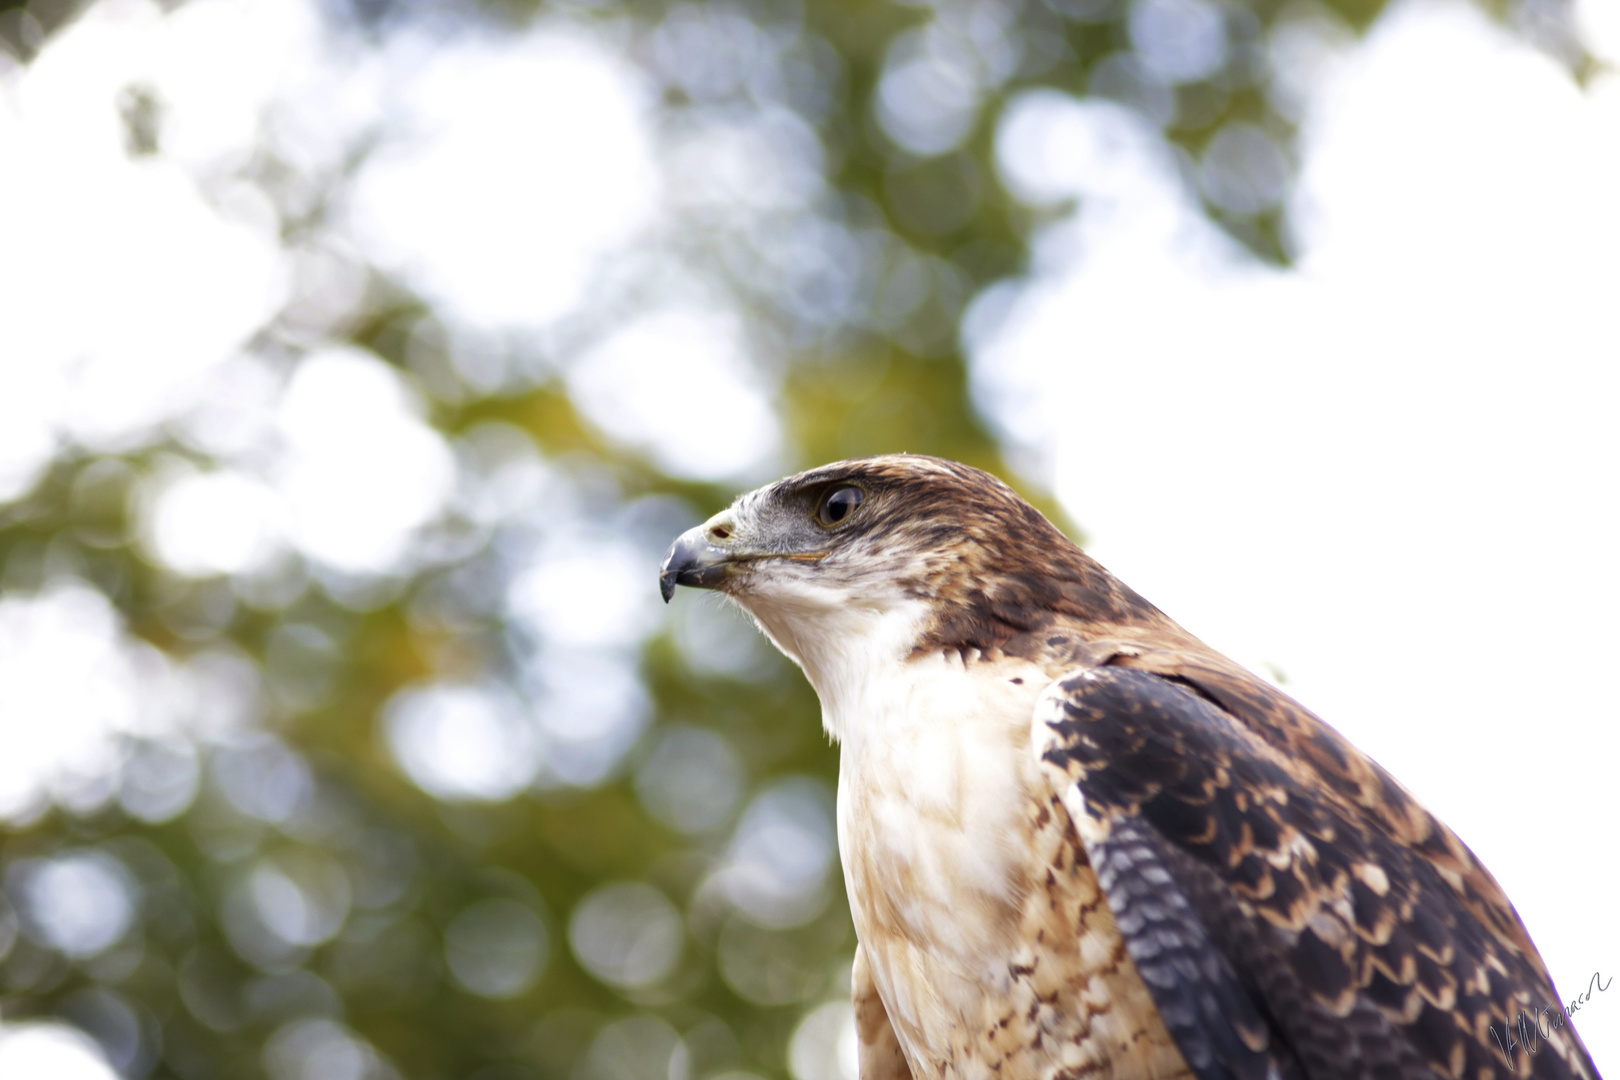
<point x="850" y="650"/>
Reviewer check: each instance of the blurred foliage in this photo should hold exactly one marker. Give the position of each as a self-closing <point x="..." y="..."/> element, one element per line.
<point x="180" y="993"/>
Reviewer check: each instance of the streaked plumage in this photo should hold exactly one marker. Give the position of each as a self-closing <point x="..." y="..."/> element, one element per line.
<point x="1080" y="843"/>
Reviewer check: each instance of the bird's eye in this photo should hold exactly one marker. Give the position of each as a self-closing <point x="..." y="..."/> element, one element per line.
<point x="839" y="504"/>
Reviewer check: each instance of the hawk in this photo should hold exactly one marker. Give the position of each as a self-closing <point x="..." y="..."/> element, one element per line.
<point x="1078" y="842"/>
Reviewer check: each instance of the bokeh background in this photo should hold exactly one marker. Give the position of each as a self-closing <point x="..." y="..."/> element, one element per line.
<point x="360" y="358"/>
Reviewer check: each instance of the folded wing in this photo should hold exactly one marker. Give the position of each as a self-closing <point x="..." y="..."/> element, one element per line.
<point x="1286" y="918"/>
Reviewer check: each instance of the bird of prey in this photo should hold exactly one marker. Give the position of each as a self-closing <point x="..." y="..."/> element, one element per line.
<point x="1078" y="842"/>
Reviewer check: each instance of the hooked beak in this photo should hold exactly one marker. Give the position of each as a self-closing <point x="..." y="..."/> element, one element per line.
<point x="693" y="560"/>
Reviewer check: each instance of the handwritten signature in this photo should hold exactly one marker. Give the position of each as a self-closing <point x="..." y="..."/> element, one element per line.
<point x="1532" y="1030"/>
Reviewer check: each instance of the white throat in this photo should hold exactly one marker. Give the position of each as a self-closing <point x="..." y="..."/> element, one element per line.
<point x="851" y="649"/>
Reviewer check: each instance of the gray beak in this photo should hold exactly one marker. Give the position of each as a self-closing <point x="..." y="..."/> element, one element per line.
<point x="693" y="561"/>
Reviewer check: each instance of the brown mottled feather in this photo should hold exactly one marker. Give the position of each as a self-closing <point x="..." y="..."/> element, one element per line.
<point x="1231" y="775"/>
<point x="1356" y="942"/>
<point x="1292" y="911"/>
<point x="1429" y="956"/>
<point x="1065" y="1001"/>
<point x="879" y="1053"/>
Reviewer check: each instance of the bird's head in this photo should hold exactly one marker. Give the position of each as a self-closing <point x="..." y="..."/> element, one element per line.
<point x="888" y="555"/>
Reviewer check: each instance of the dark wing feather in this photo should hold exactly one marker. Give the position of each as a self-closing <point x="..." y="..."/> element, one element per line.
<point x="1204" y="1003"/>
<point x="1277" y="922"/>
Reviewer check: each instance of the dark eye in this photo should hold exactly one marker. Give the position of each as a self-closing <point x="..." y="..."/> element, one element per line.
<point x="839" y="504"/>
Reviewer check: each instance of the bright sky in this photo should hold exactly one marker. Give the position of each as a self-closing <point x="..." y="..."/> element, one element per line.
<point x="49" y="1049"/>
<point x="1391" y="474"/>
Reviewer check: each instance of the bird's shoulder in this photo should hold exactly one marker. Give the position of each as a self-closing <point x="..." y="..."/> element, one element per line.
<point x="1291" y="906"/>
